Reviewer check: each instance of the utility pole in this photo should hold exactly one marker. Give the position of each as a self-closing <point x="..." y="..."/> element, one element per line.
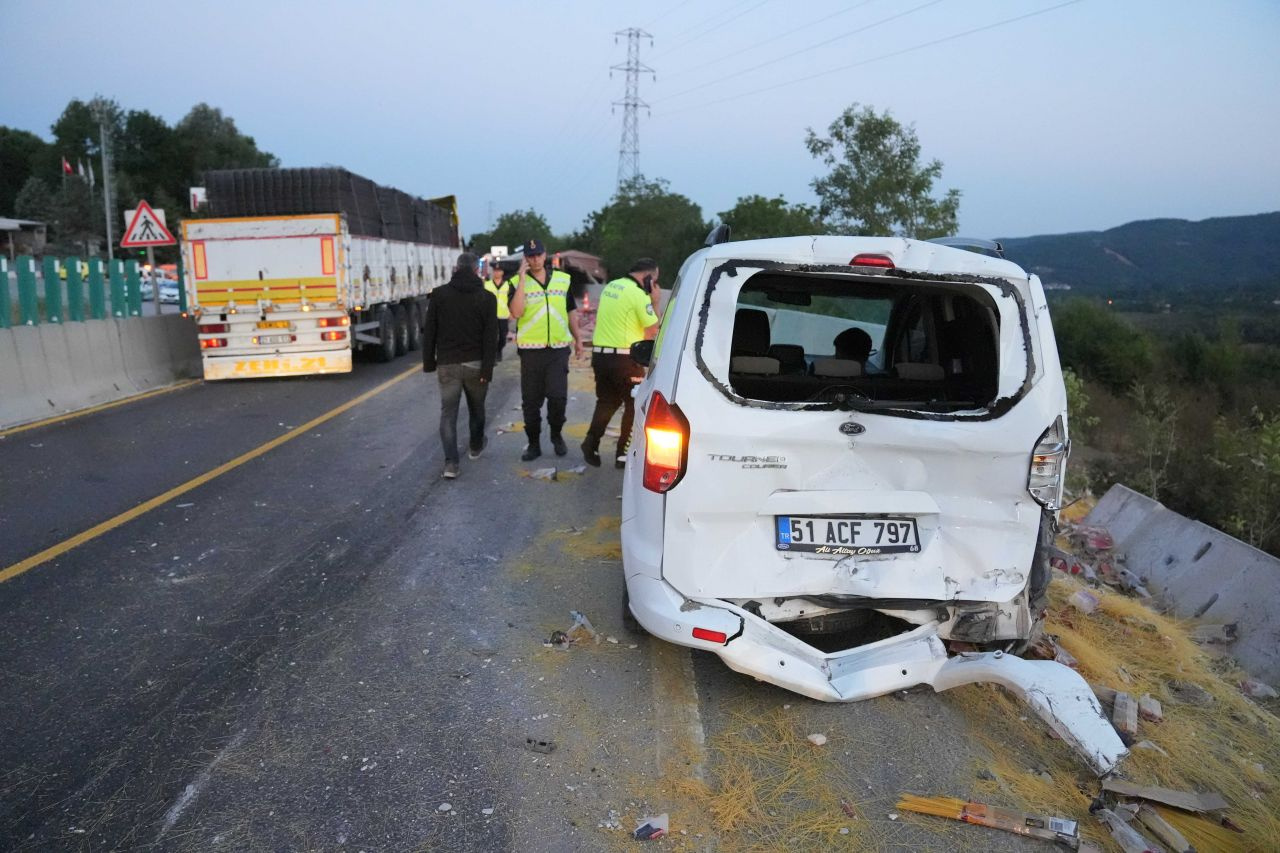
<point x="105" y="144"/>
<point x="629" y="149"/>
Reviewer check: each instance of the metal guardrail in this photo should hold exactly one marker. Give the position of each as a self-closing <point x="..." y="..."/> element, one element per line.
<point x="108" y="289"/>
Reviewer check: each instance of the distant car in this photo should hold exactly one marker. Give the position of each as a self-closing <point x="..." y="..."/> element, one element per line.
<point x="168" y="291"/>
<point x="147" y="289"/>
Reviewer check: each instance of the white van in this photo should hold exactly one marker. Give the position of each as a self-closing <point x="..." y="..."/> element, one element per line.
<point x="852" y="450"/>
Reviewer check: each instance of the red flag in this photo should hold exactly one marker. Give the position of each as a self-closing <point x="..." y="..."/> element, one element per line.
<point x="66" y="167"/>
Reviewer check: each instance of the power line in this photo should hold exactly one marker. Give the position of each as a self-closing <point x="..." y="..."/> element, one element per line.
<point x="671" y="9"/>
<point x="777" y="38"/>
<point x="701" y="29"/>
<point x="806" y="49"/>
<point x="809" y="77"/>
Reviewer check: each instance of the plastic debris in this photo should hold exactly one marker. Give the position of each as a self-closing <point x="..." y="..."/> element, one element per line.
<point x="543" y="474"/>
<point x="1044" y="827"/>
<point x="652" y="828"/>
<point x="582" y="629"/>
<point x="581" y="469"/>
<point x="1129" y="839"/>
<point x="1084" y="601"/>
<point x="817" y="739"/>
<point x="444" y="807"/>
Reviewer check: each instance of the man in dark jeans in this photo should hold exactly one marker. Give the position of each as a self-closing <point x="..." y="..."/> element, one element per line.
<point x="459" y="338"/>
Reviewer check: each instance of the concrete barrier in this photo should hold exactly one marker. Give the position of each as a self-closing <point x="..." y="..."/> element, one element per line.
<point x="1199" y="568"/>
<point x="53" y="369"/>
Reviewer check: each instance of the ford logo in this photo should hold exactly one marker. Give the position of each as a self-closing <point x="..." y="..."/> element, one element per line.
<point x="851" y="428"/>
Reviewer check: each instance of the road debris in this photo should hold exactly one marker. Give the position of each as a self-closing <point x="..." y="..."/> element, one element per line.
<point x="542" y="745"/>
<point x="652" y="828"/>
<point x="1124" y="716"/>
<point x="1129" y="839"/>
<point x="444" y="807"/>
<point x="1220" y="635"/>
<point x="548" y="474"/>
<point x="1061" y="830"/>
<point x="817" y="739"/>
<point x="1257" y="690"/>
<point x="1084" y="601"/>
<point x="1185" y="800"/>
<point x="1149" y="708"/>
<point x="1163" y="830"/>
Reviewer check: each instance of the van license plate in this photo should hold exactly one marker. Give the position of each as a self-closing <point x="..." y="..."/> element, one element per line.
<point x="847" y="536"/>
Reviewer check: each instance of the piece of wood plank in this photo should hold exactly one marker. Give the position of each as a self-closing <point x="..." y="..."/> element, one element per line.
<point x="1124" y="716"/>
<point x="1186" y="800"/>
<point x="1163" y="830"/>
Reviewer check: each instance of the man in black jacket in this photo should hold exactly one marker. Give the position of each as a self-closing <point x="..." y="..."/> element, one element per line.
<point x="459" y="338"/>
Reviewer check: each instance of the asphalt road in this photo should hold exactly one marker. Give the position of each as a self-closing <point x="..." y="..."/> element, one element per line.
<point x="324" y="646"/>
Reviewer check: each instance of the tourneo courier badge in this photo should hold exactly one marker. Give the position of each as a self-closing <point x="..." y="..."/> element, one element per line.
<point x="852" y="428"/>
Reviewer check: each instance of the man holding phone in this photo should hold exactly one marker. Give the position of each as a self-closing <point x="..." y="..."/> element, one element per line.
<point x="546" y="327"/>
<point x="624" y="316"/>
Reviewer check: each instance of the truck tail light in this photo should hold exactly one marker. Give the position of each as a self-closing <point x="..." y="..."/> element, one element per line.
<point x="214" y="329"/>
<point x="212" y="343"/>
<point x="1048" y="465"/>
<point x="666" y="444"/>
<point x="324" y="322"/>
<point x="333" y="336"/>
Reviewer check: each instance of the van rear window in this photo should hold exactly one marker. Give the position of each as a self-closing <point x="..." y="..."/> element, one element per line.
<point x="806" y="338"/>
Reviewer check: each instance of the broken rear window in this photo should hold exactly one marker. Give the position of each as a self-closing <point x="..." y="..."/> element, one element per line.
<point x="871" y="341"/>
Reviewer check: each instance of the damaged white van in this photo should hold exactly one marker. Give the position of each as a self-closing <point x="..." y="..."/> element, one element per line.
<point x="852" y="450"/>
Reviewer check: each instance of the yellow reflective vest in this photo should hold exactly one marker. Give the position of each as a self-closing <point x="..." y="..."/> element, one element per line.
<point x="501" y="292"/>
<point x="545" y="322"/>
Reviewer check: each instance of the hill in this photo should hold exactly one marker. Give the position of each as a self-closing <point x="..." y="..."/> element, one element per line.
<point x="1158" y="256"/>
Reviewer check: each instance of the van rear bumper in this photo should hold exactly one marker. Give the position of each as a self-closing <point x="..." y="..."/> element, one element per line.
<point x="760" y="649"/>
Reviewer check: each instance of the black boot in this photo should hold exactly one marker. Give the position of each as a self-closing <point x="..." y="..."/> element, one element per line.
<point x="591" y="450"/>
<point x="557" y="444"/>
<point x="534" y="450"/>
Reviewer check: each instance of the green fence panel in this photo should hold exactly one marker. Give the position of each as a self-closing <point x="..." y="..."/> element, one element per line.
<point x="6" y="307"/>
<point x="119" y="303"/>
<point x="52" y="291"/>
<point x="133" y="288"/>
<point x="182" y="284"/>
<point x="28" y="300"/>
<point x="97" y="292"/>
<point x="75" y="290"/>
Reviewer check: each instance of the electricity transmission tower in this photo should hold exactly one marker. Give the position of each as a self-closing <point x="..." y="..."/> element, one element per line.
<point x="629" y="149"/>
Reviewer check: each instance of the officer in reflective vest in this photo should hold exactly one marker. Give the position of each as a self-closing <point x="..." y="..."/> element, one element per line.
<point x="624" y="315"/>
<point x="501" y="290"/>
<point x="546" y="327"/>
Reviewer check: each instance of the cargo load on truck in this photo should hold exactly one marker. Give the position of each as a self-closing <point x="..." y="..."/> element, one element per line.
<point x="297" y="269"/>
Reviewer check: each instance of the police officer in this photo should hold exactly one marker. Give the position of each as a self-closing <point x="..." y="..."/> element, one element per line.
<point x="501" y="290"/>
<point x="624" y="315"/>
<point x="546" y="327"/>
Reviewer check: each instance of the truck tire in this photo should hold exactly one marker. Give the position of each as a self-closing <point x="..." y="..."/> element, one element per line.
<point x="386" y="349"/>
<point x="415" y="326"/>
<point x="400" y="317"/>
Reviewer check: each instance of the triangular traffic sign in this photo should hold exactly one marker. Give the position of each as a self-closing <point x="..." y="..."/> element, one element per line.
<point x="146" y="229"/>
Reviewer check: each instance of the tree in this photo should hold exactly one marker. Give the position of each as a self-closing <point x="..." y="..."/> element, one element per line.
<point x="34" y="201"/>
<point x="644" y="219"/>
<point x="207" y="139"/>
<point x="754" y="217"/>
<point x="511" y="230"/>
<point x="22" y="155"/>
<point x="77" y="134"/>
<point x="1097" y="344"/>
<point x="877" y="184"/>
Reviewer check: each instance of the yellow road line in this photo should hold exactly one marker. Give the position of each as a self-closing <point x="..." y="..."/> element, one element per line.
<point x="146" y="506"/>
<point x="57" y="419"/>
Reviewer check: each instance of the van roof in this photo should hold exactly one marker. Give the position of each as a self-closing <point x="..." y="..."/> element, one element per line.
<point x="913" y="255"/>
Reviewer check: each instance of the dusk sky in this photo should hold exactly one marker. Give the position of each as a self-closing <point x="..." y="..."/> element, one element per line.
<point x="1089" y="115"/>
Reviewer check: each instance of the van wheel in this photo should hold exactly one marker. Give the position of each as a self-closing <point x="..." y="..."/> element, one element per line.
<point x="415" y="326"/>
<point x="401" y="319"/>
<point x="386" y="349"/>
<point x="629" y="620"/>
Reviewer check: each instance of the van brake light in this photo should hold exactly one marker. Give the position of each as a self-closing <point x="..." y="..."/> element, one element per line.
<point x="882" y="261"/>
<point x="1048" y="463"/>
<point x="666" y="444"/>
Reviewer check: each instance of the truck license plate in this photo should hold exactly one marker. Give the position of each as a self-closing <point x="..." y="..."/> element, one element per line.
<point x="274" y="339"/>
<point x="273" y="324"/>
<point x="847" y="536"/>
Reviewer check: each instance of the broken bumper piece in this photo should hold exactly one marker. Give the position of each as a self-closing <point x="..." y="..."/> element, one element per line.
<point x="757" y="648"/>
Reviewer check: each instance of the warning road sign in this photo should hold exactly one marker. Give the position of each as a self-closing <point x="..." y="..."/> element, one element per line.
<point x="146" y="229"/>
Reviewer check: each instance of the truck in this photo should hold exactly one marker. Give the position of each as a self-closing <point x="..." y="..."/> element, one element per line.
<point x="290" y="272"/>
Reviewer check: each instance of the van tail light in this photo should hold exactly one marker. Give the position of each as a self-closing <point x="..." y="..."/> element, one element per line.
<point x="1048" y="466"/>
<point x="710" y="636"/>
<point x="212" y="343"/>
<point x="666" y="444"/>
<point x="214" y="329"/>
<point x="864" y="260"/>
<point x="324" y="322"/>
